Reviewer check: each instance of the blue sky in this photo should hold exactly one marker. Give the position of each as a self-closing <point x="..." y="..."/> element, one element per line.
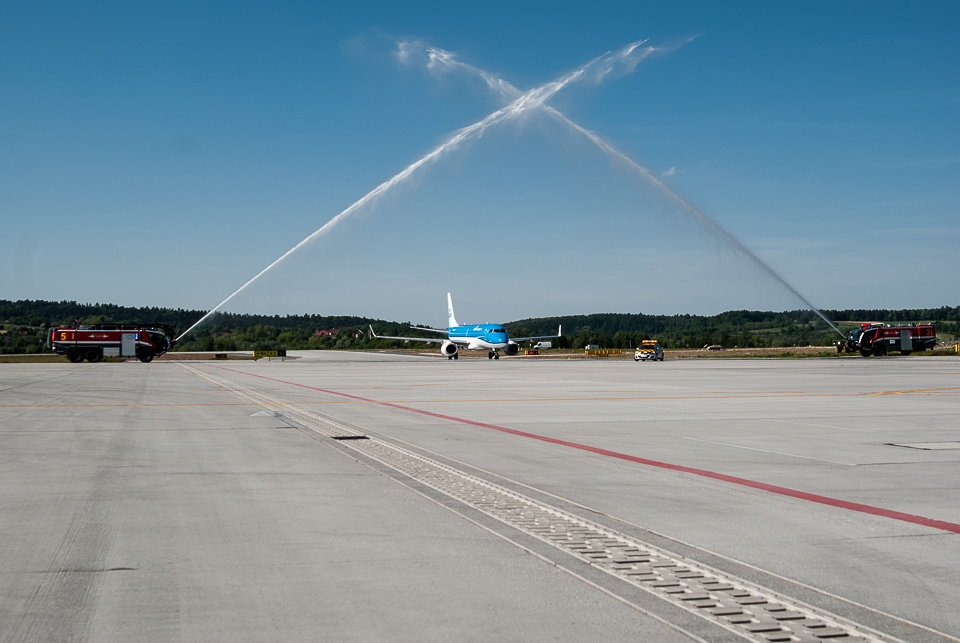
<point x="164" y="153"/>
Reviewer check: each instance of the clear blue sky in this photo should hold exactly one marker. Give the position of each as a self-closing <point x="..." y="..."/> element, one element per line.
<point x="163" y="153"/>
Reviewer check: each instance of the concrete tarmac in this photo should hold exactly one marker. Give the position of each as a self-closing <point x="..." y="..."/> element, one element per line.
<point x="158" y="502"/>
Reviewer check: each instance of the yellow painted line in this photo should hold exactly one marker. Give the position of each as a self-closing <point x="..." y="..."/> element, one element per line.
<point x="717" y="396"/>
<point x="72" y="406"/>
<point x="916" y="390"/>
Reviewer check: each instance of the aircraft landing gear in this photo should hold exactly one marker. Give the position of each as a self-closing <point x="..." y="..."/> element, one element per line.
<point x="455" y="356"/>
<point x="493" y="355"/>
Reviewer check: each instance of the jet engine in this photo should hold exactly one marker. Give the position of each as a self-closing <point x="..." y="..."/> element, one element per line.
<point x="512" y="348"/>
<point x="449" y="349"/>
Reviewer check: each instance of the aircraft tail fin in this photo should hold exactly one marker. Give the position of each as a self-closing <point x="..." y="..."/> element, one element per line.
<point x="451" y="318"/>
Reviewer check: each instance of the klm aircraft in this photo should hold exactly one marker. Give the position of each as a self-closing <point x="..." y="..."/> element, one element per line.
<point x="473" y="337"/>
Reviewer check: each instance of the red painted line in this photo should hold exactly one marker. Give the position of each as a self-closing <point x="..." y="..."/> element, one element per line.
<point x="753" y="484"/>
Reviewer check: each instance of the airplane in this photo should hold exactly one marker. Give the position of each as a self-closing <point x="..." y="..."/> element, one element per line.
<point x="474" y="337"/>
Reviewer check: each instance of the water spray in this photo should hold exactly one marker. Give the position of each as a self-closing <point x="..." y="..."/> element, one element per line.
<point x="439" y="59"/>
<point x="694" y="213"/>
<point x="596" y="69"/>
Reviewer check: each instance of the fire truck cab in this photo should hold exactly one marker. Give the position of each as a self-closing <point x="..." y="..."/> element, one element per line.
<point x="95" y="341"/>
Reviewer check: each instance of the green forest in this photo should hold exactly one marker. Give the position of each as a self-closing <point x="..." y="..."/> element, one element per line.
<point x="24" y="324"/>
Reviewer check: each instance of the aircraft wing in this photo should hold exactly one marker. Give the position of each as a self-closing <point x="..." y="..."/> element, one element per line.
<point x="411" y="339"/>
<point x="432" y="330"/>
<point x="524" y="339"/>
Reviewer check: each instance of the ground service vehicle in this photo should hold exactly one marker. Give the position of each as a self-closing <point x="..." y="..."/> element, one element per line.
<point x="877" y="339"/>
<point x="543" y="345"/>
<point x="649" y="349"/>
<point x="95" y="341"/>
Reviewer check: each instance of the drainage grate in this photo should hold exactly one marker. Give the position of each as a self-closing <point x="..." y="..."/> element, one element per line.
<point x="740" y="607"/>
<point x="736" y="605"/>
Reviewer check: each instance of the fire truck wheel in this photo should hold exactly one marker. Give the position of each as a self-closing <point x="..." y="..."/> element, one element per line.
<point x="94" y="355"/>
<point x="905" y="352"/>
<point x="145" y="355"/>
<point x="74" y="355"/>
<point x="866" y="352"/>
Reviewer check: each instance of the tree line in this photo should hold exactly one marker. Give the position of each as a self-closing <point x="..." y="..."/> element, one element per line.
<point x="23" y="327"/>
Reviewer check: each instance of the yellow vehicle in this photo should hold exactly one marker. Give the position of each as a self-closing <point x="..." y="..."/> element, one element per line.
<point x="649" y="349"/>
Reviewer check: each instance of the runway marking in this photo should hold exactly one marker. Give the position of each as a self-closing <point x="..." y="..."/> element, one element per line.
<point x="753" y="484"/>
<point x="58" y="406"/>
<point x="362" y="400"/>
<point x="915" y="390"/>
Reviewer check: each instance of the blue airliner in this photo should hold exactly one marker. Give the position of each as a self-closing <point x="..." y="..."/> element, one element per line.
<point x="473" y="337"/>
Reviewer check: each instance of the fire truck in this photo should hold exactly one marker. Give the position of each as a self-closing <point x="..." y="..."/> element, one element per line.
<point x="95" y="341"/>
<point x="877" y="339"/>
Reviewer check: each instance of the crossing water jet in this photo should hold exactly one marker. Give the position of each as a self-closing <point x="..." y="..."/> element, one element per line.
<point x="693" y="212"/>
<point x="438" y="60"/>
<point x="596" y="69"/>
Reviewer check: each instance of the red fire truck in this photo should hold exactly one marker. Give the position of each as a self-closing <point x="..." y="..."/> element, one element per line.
<point x="877" y="339"/>
<point x="95" y="341"/>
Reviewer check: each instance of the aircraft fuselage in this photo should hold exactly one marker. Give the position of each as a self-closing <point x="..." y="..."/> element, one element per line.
<point x="479" y="336"/>
<point x="473" y="337"/>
